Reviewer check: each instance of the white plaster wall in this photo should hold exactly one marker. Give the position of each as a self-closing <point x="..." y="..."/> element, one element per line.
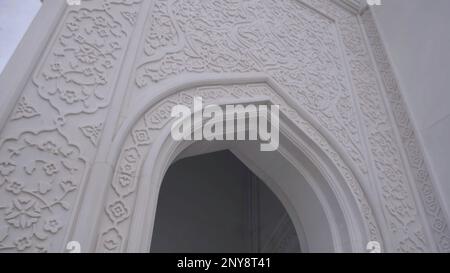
<point x="15" y="17"/>
<point x="314" y="50"/>
<point x="416" y="34"/>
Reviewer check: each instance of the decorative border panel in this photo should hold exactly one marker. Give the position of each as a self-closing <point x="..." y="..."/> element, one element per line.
<point x="51" y="137"/>
<point x="410" y="143"/>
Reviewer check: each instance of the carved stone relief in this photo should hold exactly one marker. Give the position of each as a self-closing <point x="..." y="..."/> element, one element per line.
<point x="314" y="49"/>
<point x="51" y="135"/>
<point x="410" y="143"/>
<point x="121" y="195"/>
<point x="40" y="174"/>
<point x="396" y="193"/>
<point x="298" y="44"/>
<point x="289" y="40"/>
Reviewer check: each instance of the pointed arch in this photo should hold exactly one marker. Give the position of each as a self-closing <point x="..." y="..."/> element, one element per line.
<point x="143" y="150"/>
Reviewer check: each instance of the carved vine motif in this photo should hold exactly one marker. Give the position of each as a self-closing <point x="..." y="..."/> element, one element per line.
<point x="122" y="193"/>
<point x="92" y="132"/>
<point x="24" y="110"/>
<point x="41" y="173"/>
<point x="409" y="140"/>
<point x="289" y="40"/>
<point x="38" y="177"/>
<point x="74" y="77"/>
<point x="397" y="196"/>
<point x="298" y="44"/>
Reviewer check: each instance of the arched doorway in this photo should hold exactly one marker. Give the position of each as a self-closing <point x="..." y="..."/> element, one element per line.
<point x="310" y="174"/>
<point x="317" y="215"/>
<point x="214" y="203"/>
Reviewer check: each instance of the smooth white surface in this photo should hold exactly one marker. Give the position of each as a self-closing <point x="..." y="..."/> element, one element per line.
<point x="416" y="34"/>
<point x="437" y="140"/>
<point x="15" y="17"/>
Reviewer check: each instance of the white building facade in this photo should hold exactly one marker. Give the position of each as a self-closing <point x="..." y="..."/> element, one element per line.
<point x="85" y="122"/>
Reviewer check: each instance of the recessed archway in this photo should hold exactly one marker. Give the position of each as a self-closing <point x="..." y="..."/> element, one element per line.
<point x="320" y="219"/>
<point x="212" y="203"/>
<point x="342" y="221"/>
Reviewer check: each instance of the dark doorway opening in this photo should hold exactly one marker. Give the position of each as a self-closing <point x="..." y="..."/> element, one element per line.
<point x="213" y="203"/>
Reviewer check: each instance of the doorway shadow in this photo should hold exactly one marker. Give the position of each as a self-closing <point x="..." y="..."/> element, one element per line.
<point x="212" y="203"/>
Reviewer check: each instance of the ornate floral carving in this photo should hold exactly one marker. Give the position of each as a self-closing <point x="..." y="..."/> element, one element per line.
<point x="92" y="132"/>
<point x="42" y="163"/>
<point x="410" y="143"/>
<point x="75" y="75"/>
<point x="292" y="42"/>
<point x="314" y="49"/>
<point x="125" y="182"/>
<point x="117" y="211"/>
<point x="36" y="190"/>
<point x="397" y="197"/>
<point x="24" y="110"/>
